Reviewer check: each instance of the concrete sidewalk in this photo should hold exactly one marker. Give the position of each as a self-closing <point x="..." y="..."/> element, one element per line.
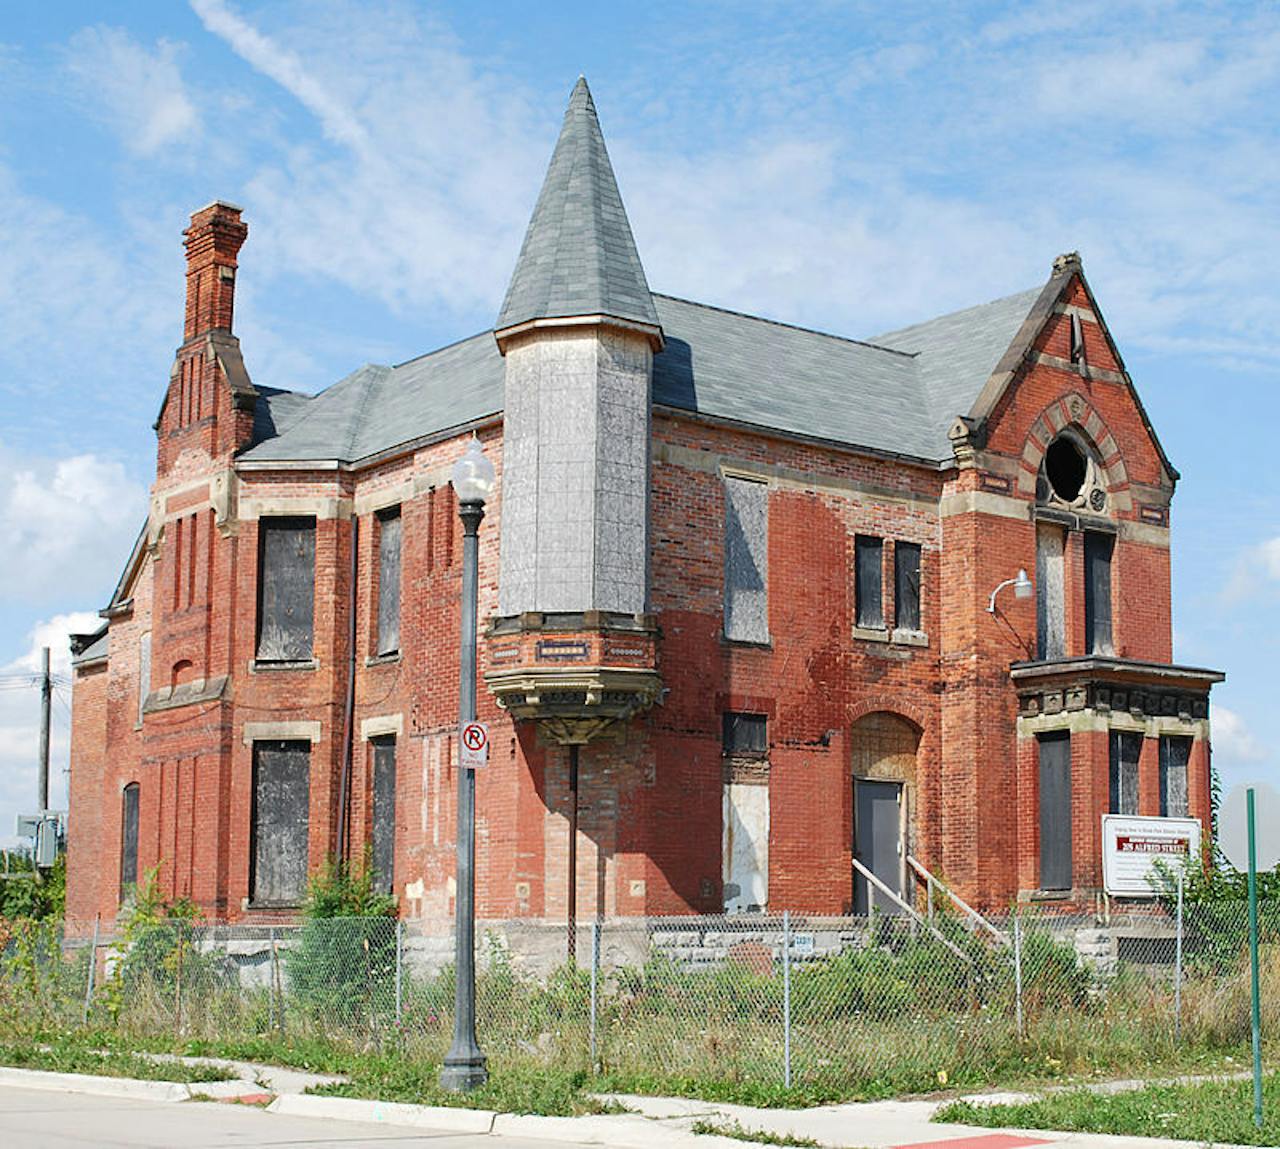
<point x="658" y="1122"/>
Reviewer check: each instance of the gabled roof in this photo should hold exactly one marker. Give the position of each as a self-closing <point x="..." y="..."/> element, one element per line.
<point x="895" y="395"/>
<point x="957" y="353"/>
<point x="578" y="257"/>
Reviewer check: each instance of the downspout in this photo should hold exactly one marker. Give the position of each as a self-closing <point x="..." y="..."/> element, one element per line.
<point x="348" y="732"/>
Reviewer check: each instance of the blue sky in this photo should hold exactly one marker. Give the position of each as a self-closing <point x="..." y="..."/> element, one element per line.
<point x="852" y="167"/>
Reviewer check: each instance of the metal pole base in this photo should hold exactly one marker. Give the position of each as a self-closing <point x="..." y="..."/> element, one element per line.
<point x="463" y="1073"/>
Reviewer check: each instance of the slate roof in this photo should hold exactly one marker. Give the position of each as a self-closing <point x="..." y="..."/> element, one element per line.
<point x="578" y="257"/>
<point x="956" y="353"/>
<point x="897" y="393"/>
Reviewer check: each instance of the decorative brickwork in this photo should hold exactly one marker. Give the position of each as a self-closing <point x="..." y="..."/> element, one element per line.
<point x="638" y="634"/>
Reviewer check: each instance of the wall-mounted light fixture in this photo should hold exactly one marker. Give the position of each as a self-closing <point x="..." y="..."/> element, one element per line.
<point x="1021" y="589"/>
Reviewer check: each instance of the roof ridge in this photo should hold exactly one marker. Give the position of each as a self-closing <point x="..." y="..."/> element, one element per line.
<point x="788" y="326"/>
<point x="314" y="408"/>
<point x="958" y="311"/>
<point x="371" y="371"/>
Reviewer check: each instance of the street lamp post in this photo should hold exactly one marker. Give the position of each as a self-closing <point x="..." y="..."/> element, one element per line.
<point x="465" y="1063"/>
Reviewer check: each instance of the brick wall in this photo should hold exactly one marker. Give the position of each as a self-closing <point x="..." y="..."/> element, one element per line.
<point x="650" y="803"/>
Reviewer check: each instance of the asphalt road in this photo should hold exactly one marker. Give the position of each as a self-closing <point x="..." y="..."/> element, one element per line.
<point x="45" y="1119"/>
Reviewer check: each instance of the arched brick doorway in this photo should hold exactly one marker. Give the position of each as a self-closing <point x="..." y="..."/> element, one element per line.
<point x="883" y="770"/>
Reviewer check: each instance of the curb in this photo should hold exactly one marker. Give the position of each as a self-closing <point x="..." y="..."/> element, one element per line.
<point x="95" y="1084"/>
<point x="622" y="1131"/>
<point x="443" y="1117"/>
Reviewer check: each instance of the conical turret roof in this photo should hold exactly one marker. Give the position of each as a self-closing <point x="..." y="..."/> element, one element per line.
<point x="578" y="257"/>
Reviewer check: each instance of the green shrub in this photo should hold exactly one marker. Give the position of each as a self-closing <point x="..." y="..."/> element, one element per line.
<point x="341" y="969"/>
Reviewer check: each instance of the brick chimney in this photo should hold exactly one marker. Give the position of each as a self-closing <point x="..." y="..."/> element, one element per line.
<point x="209" y="405"/>
<point x="213" y="241"/>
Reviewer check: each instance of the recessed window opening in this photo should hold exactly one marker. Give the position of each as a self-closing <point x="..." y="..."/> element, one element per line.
<point x="745" y="735"/>
<point x="1064" y="467"/>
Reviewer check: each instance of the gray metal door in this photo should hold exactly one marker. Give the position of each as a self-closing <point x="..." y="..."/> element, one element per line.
<point x="1055" y="811"/>
<point x="877" y="842"/>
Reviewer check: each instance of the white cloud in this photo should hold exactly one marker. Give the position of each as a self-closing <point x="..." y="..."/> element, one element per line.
<point x="1233" y="741"/>
<point x="66" y="525"/>
<point x="20" y="719"/>
<point x="1255" y="567"/>
<point x="138" y="92"/>
<point x="423" y="199"/>
<point x="285" y="68"/>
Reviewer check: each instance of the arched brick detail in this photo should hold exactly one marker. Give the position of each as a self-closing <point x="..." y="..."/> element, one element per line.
<point x="878" y="703"/>
<point x="1076" y="412"/>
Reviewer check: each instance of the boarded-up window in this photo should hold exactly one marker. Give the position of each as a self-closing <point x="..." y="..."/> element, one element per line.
<point x="1175" y="755"/>
<point x="389" y="535"/>
<point x="1055" y="811"/>
<point x="1051" y="626"/>
<point x="746" y="847"/>
<point x="868" y="565"/>
<point x="906" y="585"/>
<point x="286" y="589"/>
<point x="1097" y="592"/>
<point x="128" y="840"/>
<point x="280" y="817"/>
<point x="144" y="672"/>
<point x="746" y="560"/>
<point x="745" y="735"/>
<point x="1126" y="749"/>
<point x="384" y="813"/>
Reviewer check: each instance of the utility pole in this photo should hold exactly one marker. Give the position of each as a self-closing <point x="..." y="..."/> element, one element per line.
<point x="46" y="700"/>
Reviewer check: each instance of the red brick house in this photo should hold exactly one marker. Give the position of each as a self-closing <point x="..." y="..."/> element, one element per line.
<point x="745" y="568"/>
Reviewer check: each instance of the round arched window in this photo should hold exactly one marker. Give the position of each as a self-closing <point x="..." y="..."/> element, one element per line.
<point x="1066" y="468"/>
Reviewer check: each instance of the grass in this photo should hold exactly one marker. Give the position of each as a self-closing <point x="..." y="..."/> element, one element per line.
<point x="758" y="1136"/>
<point x="512" y="1088"/>
<point x="74" y="1056"/>
<point x="1219" y="1111"/>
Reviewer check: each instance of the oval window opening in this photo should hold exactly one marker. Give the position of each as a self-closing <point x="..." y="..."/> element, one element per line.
<point x="1064" y="467"/>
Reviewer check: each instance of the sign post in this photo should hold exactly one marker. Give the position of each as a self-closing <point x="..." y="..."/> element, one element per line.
<point x="1247" y="849"/>
<point x="1253" y="961"/>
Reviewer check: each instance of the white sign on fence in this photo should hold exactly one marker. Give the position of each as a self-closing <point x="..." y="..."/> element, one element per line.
<point x="1131" y="847"/>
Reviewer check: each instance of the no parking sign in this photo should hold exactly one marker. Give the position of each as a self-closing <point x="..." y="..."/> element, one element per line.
<point x="474" y="745"/>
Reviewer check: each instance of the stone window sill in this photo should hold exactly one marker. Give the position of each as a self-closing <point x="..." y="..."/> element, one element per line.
<point x="258" y="666"/>
<point x="250" y="906"/>
<point x="391" y="656"/>
<point x="1049" y="895"/>
<point x="748" y="643"/>
<point x="898" y="637"/>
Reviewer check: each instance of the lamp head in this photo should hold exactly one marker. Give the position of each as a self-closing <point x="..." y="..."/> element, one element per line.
<point x="473" y="474"/>
<point x="1022" y="585"/>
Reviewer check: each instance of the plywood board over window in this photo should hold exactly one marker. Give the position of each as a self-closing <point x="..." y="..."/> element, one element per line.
<point x="746" y="560"/>
<point x="280" y="822"/>
<point x="868" y="565"/>
<point x="1175" y="756"/>
<point x="286" y="589"/>
<point x="1051" y="606"/>
<point x="389" y="536"/>
<point x="1055" y="811"/>
<point x="129" y="839"/>
<point x="384" y="813"/>
<point x="1126" y="750"/>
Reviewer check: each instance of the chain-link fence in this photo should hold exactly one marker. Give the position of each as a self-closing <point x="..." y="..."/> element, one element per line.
<point x="885" y="1002"/>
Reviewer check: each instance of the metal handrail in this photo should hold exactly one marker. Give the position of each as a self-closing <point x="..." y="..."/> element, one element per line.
<point x="964" y="907"/>
<point x="955" y="949"/>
